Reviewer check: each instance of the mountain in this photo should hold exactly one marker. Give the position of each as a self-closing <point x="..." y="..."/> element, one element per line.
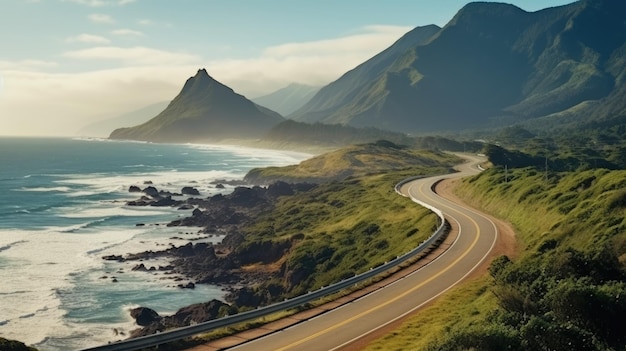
<point x="492" y="65"/>
<point x="287" y="99"/>
<point x="204" y="110"/>
<point x="104" y="127"/>
<point x="346" y="88"/>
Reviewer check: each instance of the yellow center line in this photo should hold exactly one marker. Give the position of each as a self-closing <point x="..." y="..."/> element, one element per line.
<point x="413" y="289"/>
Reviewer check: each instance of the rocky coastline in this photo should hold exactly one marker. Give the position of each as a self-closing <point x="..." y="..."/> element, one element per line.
<point x="223" y="264"/>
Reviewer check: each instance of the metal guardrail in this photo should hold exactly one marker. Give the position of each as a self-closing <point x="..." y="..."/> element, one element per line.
<point x="183" y="332"/>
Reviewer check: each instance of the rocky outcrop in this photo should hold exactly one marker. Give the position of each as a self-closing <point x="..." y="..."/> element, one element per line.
<point x="144" y="316"/>
<point x="188" y="190"/>
<point x="193" y="314"/>
<point x="13" y="345"/>
<point x="225" y="214"/>
<point x="219" y="264"/>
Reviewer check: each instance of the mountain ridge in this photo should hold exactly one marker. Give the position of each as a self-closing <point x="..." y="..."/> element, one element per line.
<point x="288" y="99"/>
<point x="361" y="74"/>
<point x="492" y="65"/>
<point x="204" y="110"/>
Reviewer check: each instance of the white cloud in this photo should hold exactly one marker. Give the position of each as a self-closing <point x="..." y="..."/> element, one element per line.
<point x="26" y="65"/>
<point x="373" y="38"/>
<point x="101" y="18"/>
<point x="34" y="103"/>
<point x="315" y="63"/>
<point x="88" y="39"/>
<point x="127" y="32"/>
<point x="91" y="3"/>
<point x="145" y="22"/>
<point x="135" y="56"/>
<point x="64" y="103"/>
<point x="100" y="3"/>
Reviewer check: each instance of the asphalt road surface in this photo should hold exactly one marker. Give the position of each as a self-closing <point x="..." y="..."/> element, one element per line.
<point x="341" y="326"/>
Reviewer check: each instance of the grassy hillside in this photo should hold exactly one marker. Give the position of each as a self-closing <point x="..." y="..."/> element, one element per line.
<point x="355" y="160"/>
<point x="566" y="289"/>
<point x="346" y="226"/>
<point x="317" y="138"/>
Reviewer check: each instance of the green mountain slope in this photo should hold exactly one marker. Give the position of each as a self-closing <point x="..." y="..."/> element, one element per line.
<point x="334" y="95"/>
<point x="204" y="110"/>
<point x="493" y="65"/>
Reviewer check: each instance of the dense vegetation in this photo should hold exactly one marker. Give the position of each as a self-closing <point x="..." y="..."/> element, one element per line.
<point x="344" y="226"/>
<point x="566" y="288"/>
<point x="354" y="160"/>
<point x="593" y="146"/>
<point x="316" y="137"/>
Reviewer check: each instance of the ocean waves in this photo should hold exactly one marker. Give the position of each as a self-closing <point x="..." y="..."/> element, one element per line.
<point x="59" y="217"/>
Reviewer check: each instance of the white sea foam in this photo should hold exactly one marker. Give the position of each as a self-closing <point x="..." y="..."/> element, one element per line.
<point x="59" y="293"/>
<point x="106" y="211"/>
<point x="47" y="269"/>
<point x="38" y="265"/>
<point x="61" y="189"/>
<point x="168" y="180"/>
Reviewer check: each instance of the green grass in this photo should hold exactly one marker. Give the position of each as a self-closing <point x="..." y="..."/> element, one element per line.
<point x="355" y="160"/>
<point x="462" y="307"/>
<point x="346" y="227"/>
<point x="562" y="292"/>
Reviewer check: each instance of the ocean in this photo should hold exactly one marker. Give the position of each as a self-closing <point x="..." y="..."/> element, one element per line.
<point x="62" y="208"/>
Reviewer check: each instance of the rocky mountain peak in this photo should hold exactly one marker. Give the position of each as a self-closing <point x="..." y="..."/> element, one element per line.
<point x="201" y="83"/>
<point x="205" y="109"/>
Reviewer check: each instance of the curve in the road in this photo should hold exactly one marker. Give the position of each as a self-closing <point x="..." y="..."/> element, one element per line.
<point x="341" y="326"/>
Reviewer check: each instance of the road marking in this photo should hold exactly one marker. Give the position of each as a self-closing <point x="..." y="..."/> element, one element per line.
<point x="393" y="300"/>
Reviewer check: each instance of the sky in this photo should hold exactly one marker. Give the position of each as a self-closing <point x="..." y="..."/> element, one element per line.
<point x="65" y="64"/>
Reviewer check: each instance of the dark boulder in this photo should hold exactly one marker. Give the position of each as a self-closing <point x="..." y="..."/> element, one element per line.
<point x="13" y="345"/>
<point x="188" y="190"/>
<point x="144" y="316"/>
<point x="197" y="313"/>
<point x="165" y="202"/>
<point x="134" y="189"/>
<point x="247" y="197"/>
<point x="189" y="285"/>
<point x="151" y="191"/>
<point x="113" y="258"/>
<point x="140" y="267"/>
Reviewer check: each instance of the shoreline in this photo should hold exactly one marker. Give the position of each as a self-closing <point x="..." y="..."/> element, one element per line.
<point x="71" y="210"/>
<point x="218" y="215"/>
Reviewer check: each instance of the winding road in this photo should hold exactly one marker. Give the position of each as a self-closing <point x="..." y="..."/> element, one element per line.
<point x="339" y="327"/>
